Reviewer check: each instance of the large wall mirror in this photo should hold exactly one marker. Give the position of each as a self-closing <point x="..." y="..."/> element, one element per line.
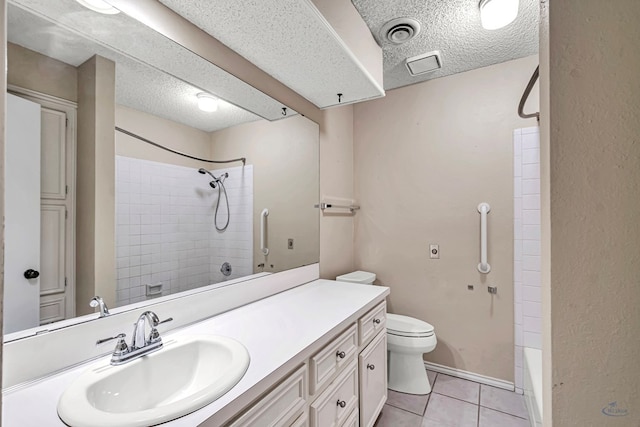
<point x="95" y="207"/>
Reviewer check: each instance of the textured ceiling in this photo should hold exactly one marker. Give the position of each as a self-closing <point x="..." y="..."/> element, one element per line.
<point x="288" y="40"/>
<point x="452" y="27"/>
<point x="154" y="74"/>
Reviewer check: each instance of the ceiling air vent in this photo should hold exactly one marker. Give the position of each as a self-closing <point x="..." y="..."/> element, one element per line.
<point x="399" y="30"/>
<point x="424" y="63"/>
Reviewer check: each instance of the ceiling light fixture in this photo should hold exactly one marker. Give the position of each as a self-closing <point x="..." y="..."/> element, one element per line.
<point x="496" y="14"/>
<point x="99" y="6"/>
<point x="206" y="102"/>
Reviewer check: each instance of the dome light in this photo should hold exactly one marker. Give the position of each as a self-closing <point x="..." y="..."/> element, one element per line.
<point x="496" y="14"/>
<point x="99" y="6"/>
<point x="207" y="102"/>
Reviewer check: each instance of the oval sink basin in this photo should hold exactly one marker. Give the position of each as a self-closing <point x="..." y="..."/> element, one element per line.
<point x="186" y="374"/>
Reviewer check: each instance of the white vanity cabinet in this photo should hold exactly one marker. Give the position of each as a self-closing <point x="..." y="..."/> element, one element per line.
<point x="347" y="382"/>
<point x="283" y="406"/>
<point x="372" y="366"/>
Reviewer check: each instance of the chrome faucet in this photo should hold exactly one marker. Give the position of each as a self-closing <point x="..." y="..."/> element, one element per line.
<point x="99" y="302"/>
<point x="141" y="343"/>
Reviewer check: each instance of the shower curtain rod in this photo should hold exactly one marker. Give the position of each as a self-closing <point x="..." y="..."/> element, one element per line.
<point x="526" y="94"/>
<point x="155" y="144"/>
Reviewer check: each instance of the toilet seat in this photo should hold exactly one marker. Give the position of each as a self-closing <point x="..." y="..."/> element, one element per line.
<point x="406" y="326"/>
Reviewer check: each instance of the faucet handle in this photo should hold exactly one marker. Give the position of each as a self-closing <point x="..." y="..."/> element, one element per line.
<point x="117" y="337"/>
<point x="121" y="345"/>
<point x="154" y="335"/>
<point x="169" y="319"/>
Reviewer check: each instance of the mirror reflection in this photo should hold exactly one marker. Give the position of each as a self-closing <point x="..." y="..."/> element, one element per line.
<point x="94" y="207"/>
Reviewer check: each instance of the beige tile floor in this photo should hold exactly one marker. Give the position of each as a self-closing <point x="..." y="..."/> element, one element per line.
<point x="454" y="402"/>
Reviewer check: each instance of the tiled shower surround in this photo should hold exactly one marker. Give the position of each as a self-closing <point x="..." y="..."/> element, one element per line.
<point x="165" y="232"/>
<point x="526" y="271"/>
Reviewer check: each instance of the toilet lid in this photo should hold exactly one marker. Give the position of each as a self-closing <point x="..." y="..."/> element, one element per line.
<point x="398" y="324"/>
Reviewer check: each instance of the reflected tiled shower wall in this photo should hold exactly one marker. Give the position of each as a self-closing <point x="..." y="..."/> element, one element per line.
<point x="165" y="230"/>
<point x="526" y="272"/>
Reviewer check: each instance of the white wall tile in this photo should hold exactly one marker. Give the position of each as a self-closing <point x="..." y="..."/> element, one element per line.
<point x="517" y="250"/>
<point x="531" y="293"/>
<point x="530" y="141"/>
<point x="165" y="227"/>
<point x="527" y="291"/>
<point x="531" y="171"/>
<point x="532" y="309"/>
<point x="531" y="247"/>
<point x="532" y="324"/>
<point x="531" y="232"/>
<point x="531" y="217"/>
<point x="531" y="201"/>
<point x="517" y="208"/>
<point x="531" y="278"/>
<point x="530" y="186"/>
<point x="530" y="156"/>
<point x="531" y="263"/>
<point x="533" y="340"/>
<point x="517" y="187"/>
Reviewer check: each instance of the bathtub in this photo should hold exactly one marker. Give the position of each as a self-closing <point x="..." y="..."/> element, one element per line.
<point x="533" y="385"/>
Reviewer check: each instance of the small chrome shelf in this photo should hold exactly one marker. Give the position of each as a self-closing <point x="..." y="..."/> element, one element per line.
<point x="324" y="206"/>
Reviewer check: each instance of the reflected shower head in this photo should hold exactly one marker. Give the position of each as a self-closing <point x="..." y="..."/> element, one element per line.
<point x="215" y="179"/>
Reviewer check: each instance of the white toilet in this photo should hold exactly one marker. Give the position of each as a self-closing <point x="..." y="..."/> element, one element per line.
<point x="407" y="340"/>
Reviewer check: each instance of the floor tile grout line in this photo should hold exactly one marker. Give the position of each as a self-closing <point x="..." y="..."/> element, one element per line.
<point x="456" y="398"/>
<point x="479" y="400"/>
<point x="503" y="412"/>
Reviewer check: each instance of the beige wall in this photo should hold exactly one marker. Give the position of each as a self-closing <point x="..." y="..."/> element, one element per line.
<point x="95" y="227"/>
<point x="594" y="154"/>
<point x="545" y="216"/>
<point x="425" y="157"/>
<point x="171" y="134"/>
<point x="3" y="91"/>
<point x="336" y="185"/>
<point x="31" y="70"/>
<point x="285" y="159"/>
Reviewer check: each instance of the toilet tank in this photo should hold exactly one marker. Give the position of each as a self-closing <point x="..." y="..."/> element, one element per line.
<point x="363" y="277"/>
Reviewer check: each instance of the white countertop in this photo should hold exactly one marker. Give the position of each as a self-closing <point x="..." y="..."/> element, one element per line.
<point x="279" y="332"/>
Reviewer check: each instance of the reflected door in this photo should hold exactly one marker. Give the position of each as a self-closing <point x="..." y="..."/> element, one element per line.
<point x="22" y="215"/>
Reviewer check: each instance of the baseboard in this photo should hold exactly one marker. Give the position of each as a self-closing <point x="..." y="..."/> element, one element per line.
<point x="459" y="373"/>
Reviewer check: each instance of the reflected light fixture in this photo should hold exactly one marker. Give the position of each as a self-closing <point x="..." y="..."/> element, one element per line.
<point x="496" y="14"/>
<point x="206" y="102"/>
<point x="99" y="6"/>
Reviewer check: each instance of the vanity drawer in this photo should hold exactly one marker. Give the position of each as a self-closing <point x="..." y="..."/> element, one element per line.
<point x="332" y="358"/>
<point x="373" y="322"/>
<point x="333" y="407"/>
<point x="353" y="420"/>
<point x="281" y="406"/>
<point x="302" y="421"/>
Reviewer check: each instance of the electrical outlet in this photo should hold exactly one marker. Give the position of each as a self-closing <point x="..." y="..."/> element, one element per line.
<point x="434" y="251"/>
<point x="290" y="244"/>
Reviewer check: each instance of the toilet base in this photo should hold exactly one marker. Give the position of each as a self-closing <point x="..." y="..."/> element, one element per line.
<point x="407" y="373"/>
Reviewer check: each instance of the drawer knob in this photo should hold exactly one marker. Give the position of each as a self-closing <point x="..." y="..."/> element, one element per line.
<point x="376" y="321"/>
<point x="371" y="366"/>
<point x="341" y="354"/>
<point x="342" y="403"/>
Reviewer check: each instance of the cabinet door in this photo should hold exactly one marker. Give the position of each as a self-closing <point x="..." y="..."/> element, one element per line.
<point x="53" y="159"/>
<point x="373" y="379"/>
<point x="52" y="263"/>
